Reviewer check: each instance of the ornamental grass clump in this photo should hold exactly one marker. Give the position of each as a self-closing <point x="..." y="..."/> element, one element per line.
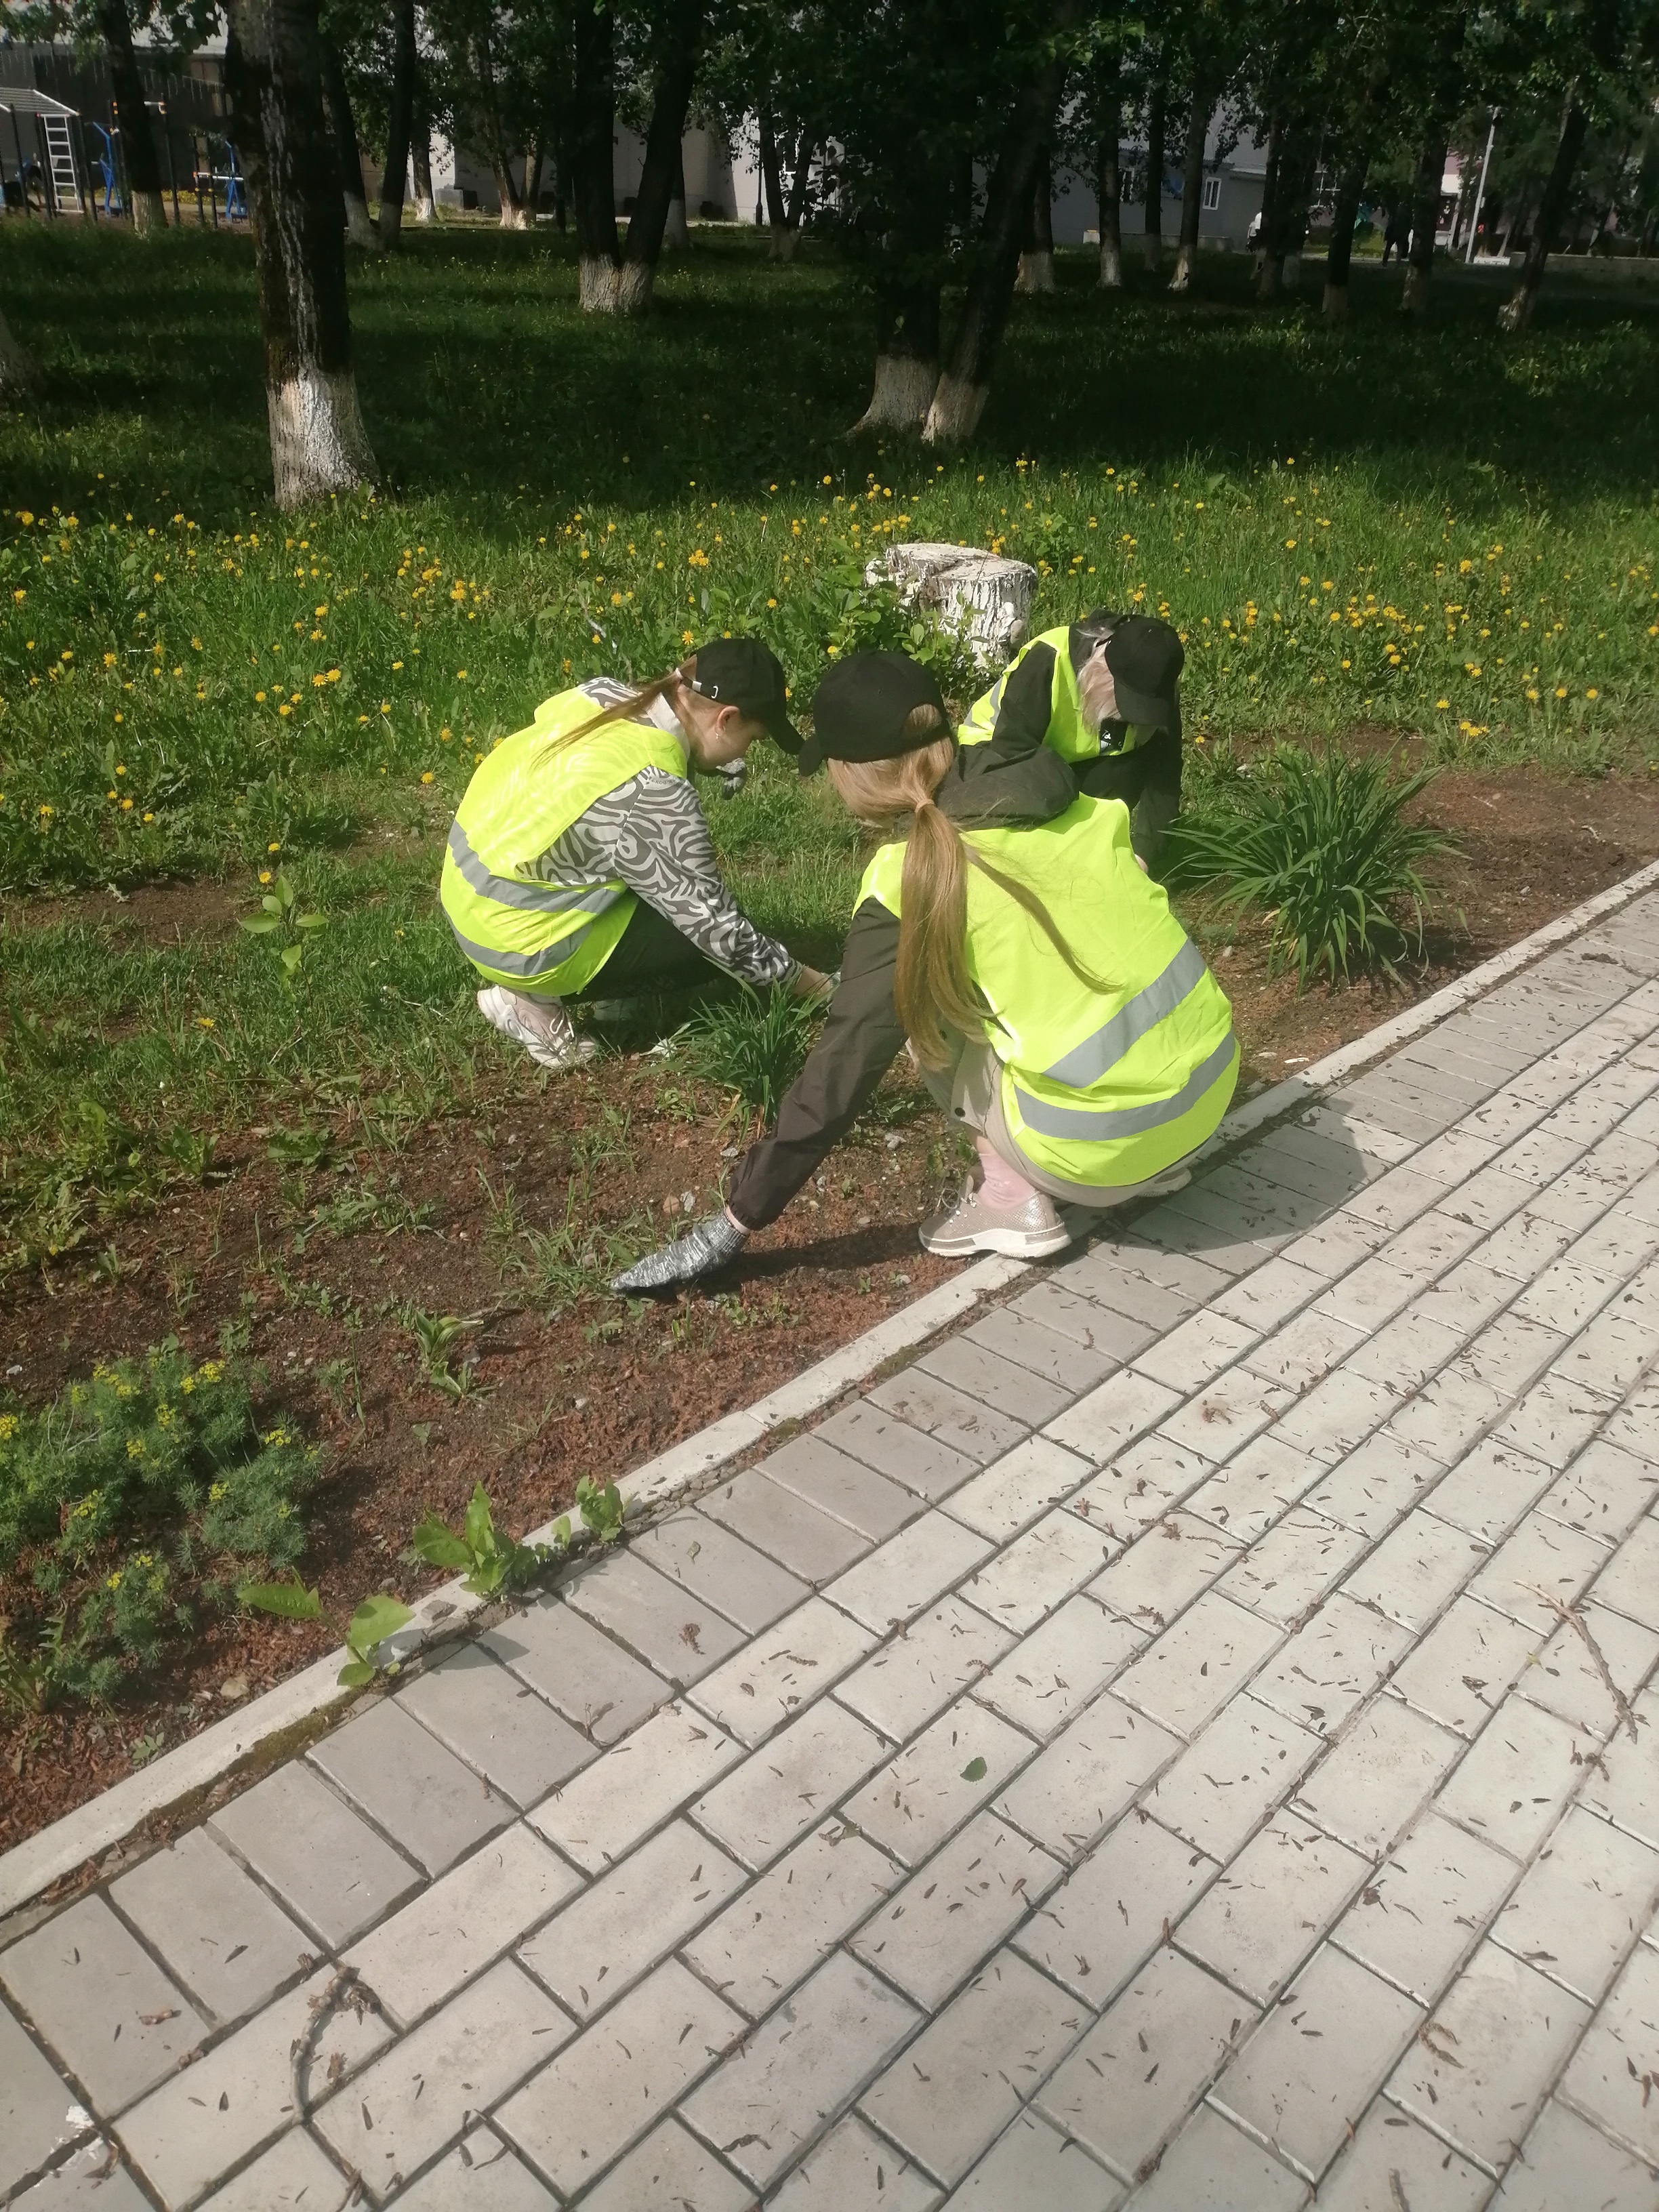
<point x="1320" y="844"/>
<point x="121" y="1503"/>
<point x="753" y="1046"/>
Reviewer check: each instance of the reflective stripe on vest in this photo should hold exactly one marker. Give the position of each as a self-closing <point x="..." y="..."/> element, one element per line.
<point x="529" y="897"/>
<point x="1087" y="1062"/>
<point x="523" y="963"/>
<point x="1105" y="1125"/>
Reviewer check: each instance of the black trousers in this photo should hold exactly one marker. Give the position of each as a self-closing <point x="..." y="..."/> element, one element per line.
<point x="1148" y="782"/>
<point x="650" y="955"/>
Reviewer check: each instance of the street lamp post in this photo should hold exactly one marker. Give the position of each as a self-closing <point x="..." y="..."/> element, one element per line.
<point x="1480" y="190"/>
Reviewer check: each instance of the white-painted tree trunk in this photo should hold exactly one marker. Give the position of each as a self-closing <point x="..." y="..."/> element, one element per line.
<point x="984" y="598"/>
<point x="596" y="286"/>
<point x="1151" y="248"/>
<point x="1181" y="276"/>
<point x="1336" y="303"/>
<point x="360" y="231"/>
<point x="901" y="395"/>
<point x="517" y="218"/>
<point x="633" y="289"/>
<point x="676" y="231"/>
<point x="19" y="370"/>
<point x="426" y="210"/>
<point x="1414" y="300"/>
<point x="1036" y="272"/>
<point x="317" y="442"/>
<point x="954" y="412"/>
<point x="1111" y="267"/>
<point x="1270" y="277"/>
<point x="1289" y="276"/>
<point x="150" y="214"/>
<point x="785" y="239"/>
<point x="1516" y="314"/>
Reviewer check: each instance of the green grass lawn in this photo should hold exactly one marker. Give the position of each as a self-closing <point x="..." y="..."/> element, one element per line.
<point x="1428" y="532"/>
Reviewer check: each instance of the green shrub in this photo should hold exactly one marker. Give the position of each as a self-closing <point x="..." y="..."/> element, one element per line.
<point x="753" y="1047"/>
<point x="1320" y="844"/>
<point x="121" y="1497"/>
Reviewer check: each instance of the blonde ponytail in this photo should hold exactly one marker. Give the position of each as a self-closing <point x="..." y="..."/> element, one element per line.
<point x="626" y="709"/>
<point x="931" y="986"/>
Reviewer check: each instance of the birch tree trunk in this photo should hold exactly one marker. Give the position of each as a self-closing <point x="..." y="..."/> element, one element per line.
<point x="420" y="160"/>
<point x="593" y="129"/>
<point x="1192" y="183"/>
<point x="1269" y="189"/>
<point x="274" y="74"/>
<point x="679" y="38"/>
<point x="959" y="399"/>
<point x="676" y="231"/>
<point x="405" y="63"/>
<point x="1036" y="263"/>
<point x="1516" y="312"/>
<point x="1153" y="196"/>
<point x="19" y="370"/>
<point x="1339" y="259"/>
<point x="507" y="195"/>
<point x="777" y="217"/>
<point x="1426" y="214"/>
<point x="1108" y="176"/>
<point x="783" y="249"/>
<point x="360" y="231"/>
<point x="143" y="166"/>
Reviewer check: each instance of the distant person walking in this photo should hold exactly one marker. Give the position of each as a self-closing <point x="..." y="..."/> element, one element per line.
<point x="1397" y="231"/>
<point x="580" y="855"/>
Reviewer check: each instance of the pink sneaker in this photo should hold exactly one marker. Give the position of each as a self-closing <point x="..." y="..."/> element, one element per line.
<point x="1029" y="1230"/>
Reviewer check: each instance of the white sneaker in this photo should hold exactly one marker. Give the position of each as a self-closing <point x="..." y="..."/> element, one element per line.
<point x="1027" y="1232"/>
<point x="542" y="1026"/>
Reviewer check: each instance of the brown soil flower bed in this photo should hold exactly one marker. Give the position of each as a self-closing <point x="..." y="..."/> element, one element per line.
<point x="588" y="1385"/>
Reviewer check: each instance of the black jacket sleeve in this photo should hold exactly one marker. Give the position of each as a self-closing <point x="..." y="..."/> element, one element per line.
<point x="1023" y="711"/>
<point x="861" y="1038"/>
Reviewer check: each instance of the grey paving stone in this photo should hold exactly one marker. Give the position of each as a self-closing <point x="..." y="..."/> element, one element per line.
<point x="1369" y="1788"/>
<point x="1272" y="1907"/>
<point x="762" y="1686"/>
<point x="1604" y="1491"/>
<point x="1630" y="1583"/>
<point x="1089" y="1772"/>
<point x="623" y="1925"/>
<point x="1553" y="1420"/>
<point x="240" y="2095"/>
<point x="1304" y="2079"/>
<point x="940" y="1412"/>
<point x="1188" y="1672"/>
<point x="1054" y="1671"/>
<point x="1566" y="2160"/>
<point x="1106" y="1277"/>
<point x="89" y="2181"/>
<point x="497" y="1724"/>
<point x="609" y="1807"/>
<point x="867" y="1503"/>
<point x="1375" y="1485"/>
<point x="1540" y="1562"/>
<point x="1195" y="1353"/>
<point x="1272" y="1294"/>
<point x="1224" y="1416"/>
<point x="295" y="2172"/>
<point x="1306" y="1347"/>
<point x="419" y="2097"/>
<point x="1605" y="2080"/>
<point x="1336" y="1415"/>
<point x="1341" y="1242"/>
<point x="779" y="1931"/>
<point x="328" y="1866"/>
<point x="419" y="1793"/>
<point x="1139" y="1486"/>
<point x="1511" y="1786"/>
<point x="1259" y="1484"/>
<point x="655" y="1618"/>
<point x="592" y="1680"/>
<point x="1032" y="2168"/>
<point x="1025" y="1581"/>
<point x="718" y="1569"/>
<point x="670" y="2169"/>
<point x="1460" y="1673"/>
<point x="214" y="1925"/>
<point x="1417" y="1570"/>
<point x="1109" y="1420"/>
<point x="1112" y="1911"/>
<point x="39" y="2113"/>
<point x="101" y="2003"/>
<point x="1488" y="2054"/>
<point x="785" y="1787"/>
<point x="462" y="1924"/>
<point x="956" y="1909"/>
<point x="946" y="1650"/>
<point x="926" y="1792"/>
<point x="1286" y="1572"/>
<point x="1624" y="1784"/>
<point x="1071" y="1362"/>
<point x="1568" y="1679"/>
<point x="901" y="1578"/>
<point x="1164" y="1569"/>
<point x="1129" y="2083"/>
<point x="766" y="2102"/>
<point x="1000" y="1384"/>
<point x="1426" y="1907"/>
<point x="1431" y="2176"/>
<point x="966" y="2075"/>
<point x="618" y="2078"/>
<point x="1019" y="1488"/>
<point x="1489" y="1490"/>
<point x="1211" y="2168"/>
<point x="812" y="1544"/>
<point x="922" y="1463"/>
<point x="855" y="2171"/>
<point x="1245" y="1763"/>
<point x="1087" y="1321"/>
<point x="481" y="2174"/>
<point x="1579" y="1908"/>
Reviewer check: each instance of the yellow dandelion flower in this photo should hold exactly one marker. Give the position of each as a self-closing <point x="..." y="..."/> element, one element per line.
<point x="1592" y="693"/>
<point x="426" y="775"/>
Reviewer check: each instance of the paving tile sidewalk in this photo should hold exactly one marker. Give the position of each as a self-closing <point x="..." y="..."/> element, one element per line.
<point x="1187" y="1741"/>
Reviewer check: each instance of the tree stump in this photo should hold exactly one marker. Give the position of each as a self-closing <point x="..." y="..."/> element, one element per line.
<point x="984" y="597"/>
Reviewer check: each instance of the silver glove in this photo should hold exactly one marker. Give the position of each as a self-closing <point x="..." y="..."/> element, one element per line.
<point x="711" y="1245"/>
<point x="732" y="778"/>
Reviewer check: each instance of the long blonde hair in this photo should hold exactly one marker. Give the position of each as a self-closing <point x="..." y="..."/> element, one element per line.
<point x="932" y="985"/>
<point x="628" y="708"/>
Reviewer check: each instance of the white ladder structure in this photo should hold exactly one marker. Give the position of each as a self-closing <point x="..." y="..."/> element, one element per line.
<point x="61" y="162"/>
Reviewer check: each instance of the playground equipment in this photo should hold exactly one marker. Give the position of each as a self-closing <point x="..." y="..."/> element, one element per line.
<point x="49" y="163"/>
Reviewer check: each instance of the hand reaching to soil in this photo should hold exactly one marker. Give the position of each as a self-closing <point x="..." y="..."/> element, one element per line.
<point x="711" y="1245"/>
<point x="812" y="982"/>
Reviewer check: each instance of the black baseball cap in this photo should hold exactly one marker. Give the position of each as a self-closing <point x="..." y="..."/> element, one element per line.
<point x="859" y="711"/>
<point x="742" y="672"/>
<point x="1146" y="657"/>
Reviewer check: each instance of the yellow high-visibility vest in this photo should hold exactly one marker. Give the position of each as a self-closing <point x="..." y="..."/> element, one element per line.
<point x="1067" y="735"/>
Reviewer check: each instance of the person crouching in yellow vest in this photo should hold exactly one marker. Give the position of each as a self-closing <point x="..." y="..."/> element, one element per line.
<point x="1055" y="1005"/>
<point x="1104" y="695"/>
<point x="579" y="852"/>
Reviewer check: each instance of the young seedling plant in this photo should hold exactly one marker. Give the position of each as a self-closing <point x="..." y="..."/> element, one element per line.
<point x="373" y="1621"/>
<point x="279" y="920"/>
